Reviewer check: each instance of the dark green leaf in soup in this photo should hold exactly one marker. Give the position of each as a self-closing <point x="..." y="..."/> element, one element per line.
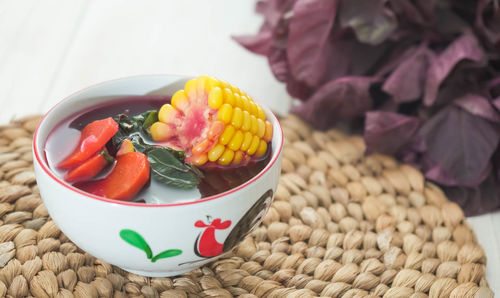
<point x="138" y="143"/>
<point x="133" y="128"/>
<point x="168" y="169"/>
<point x="150" y="119"/>
<point x="126" y="127"/>
<point x="144" y="120"/>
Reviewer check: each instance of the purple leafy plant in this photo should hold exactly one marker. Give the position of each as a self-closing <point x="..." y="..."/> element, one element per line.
<point x="423" y="75"/>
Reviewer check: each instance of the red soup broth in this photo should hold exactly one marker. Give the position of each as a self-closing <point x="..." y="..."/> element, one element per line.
<point x="64" y="137"/>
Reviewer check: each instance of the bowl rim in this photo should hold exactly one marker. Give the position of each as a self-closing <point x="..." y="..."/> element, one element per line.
<point x="45" y="168"/>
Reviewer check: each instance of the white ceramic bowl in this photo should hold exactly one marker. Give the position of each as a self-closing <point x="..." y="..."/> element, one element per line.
<point x="151" y="240"/>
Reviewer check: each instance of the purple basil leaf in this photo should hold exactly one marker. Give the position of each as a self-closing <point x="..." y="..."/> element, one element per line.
<point x="297" y="89"/>
<point x="366" y="57"/>
<point x="460" y="143"/>
<point x="278" y="63"/>
<point x="341" y="58"/>
<point x="460" y="82"/>
<point x="340" y="99"/>
<point x="449" y="22"/>
<point x="437" y="174"/>
<point x="479" y="106"/>
<point x="409" y="10"/>
<point x="477" y="200"/>
<point x="273" y="11"/>
<point x="277" y="53"/>
<point x="258" y="44"/>
<point x="342" y="64"/>
<point x="412" y="151"/>
<point x="427" y="8"/>
<point x="308" y="47"/>
<point x="465" y="47"/>
<point x="406" y="82"/>
<point x="493" y="87"/>
<point x="395" y="58"/>
<point x="371" y="21"/>
<point x="488" y="26"/>
<point x="389" y="132"/>
<point x="496" y="103"/>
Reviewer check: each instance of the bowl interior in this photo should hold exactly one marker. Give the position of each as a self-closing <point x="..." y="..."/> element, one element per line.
<point x="139" y="85"/>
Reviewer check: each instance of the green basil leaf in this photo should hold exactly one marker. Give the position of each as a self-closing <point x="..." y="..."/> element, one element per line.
<point x="168" y="169"/>
<point x="151" y="118"/>
<point x="179" y="154"/>
<point x="139" y="144"/>
<point x="135" y="239"/>
<point x="166" y="254"/>
<point x="125" y="128"/>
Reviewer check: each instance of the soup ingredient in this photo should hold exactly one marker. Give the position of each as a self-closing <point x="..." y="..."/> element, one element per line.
<point x="213" y="121"/>
<point x="127" y="178"/>
<point x="126" y="147"/>
<point x="169" y="170"/>
<point x="90" y="168"/>
<point x="93" y="137"/>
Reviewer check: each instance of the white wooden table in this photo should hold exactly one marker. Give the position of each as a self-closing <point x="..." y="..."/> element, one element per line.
<point x="51" y="48"/>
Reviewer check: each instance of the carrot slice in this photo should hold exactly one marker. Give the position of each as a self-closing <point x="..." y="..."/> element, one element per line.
<point x="90" y="167"/>
<point x="129" y="175"/>
<point x="93" y="137"/>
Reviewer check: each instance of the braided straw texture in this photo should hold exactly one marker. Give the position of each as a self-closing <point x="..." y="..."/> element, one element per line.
<point x="342" y="225"/>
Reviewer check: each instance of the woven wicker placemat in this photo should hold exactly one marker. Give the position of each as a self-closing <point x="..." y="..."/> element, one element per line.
<point x="342" y="225"/>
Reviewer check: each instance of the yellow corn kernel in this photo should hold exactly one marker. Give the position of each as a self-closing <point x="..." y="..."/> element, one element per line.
<point x="228" y="96"/>
<point x="247" y="141"/>
<point x="167" y="113"/>
<point x="199" y="160"/>
<point x="235" y="89"/>
<point x="215" y="99"/>
<point x="215" y="130"/>
<point x="254" y="145"/>
<point x="201" y="147"/>
<point x="161" y="131"/>
<point x="236" y="141"/>
<point x="225" y="84"/>
<point x="216" y="152"/>
<point x="247" y="122"/>
<point x="211" y="83"/>
<point x="246" y="104"/>
<point x="262" y="149"/>
<point x="227" y="135"/>
<point x="225" y="113"/>
<point x="191" y="89"/>
<point x="260" y="113"/>
<point x="126" y="147"/>
<point x="254" y="110"/>
<point x="179" y="100"/>
<point x="238" y="157"/>
<point x="237" y="118"/>
<point x="268" y="135"/>
<point x="200" y="84"/>
<point x="226" y="157"/>
<point x="254" y="128"/>
<point x="238" y="102"/>
<point x="261" y="128"/>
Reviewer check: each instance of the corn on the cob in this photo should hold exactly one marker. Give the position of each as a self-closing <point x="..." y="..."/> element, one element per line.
<point x="214" y="121"/>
